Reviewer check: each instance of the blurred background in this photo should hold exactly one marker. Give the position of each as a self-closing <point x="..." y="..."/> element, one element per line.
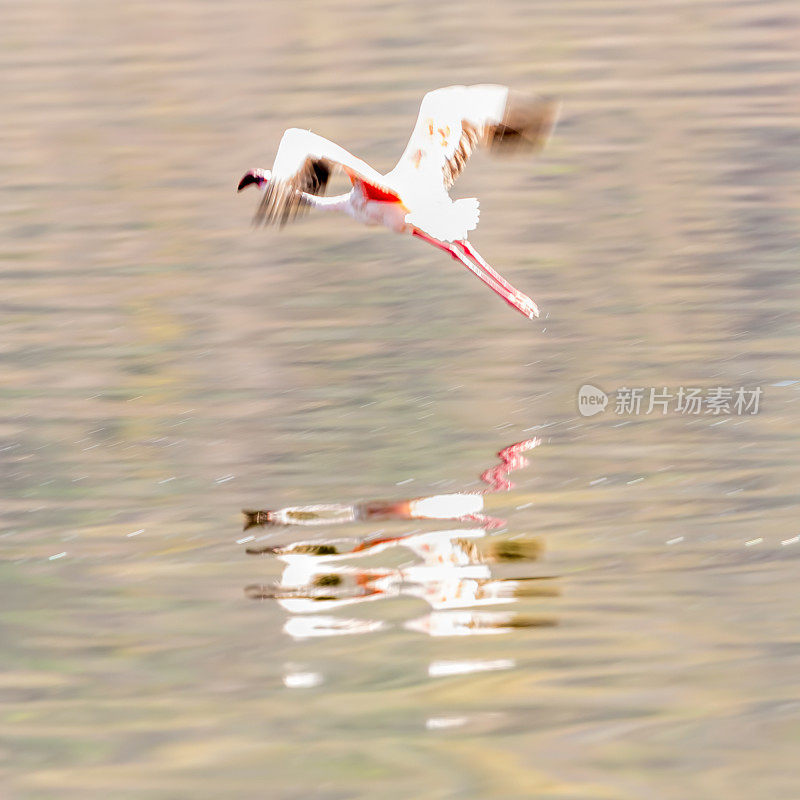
<point x="164" y="366"/>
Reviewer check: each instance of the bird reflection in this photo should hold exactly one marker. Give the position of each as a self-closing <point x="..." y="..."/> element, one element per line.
<point x="454" y="571"/>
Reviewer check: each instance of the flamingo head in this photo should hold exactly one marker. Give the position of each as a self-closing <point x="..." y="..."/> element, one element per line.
<point x="260" y="177"/>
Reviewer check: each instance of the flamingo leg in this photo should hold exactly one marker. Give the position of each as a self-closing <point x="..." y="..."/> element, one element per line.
<point x="478" y="259"/>
<point x="478" y="267"/>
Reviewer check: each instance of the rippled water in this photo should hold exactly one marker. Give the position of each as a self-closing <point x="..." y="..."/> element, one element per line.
<point x="164" y="366"/>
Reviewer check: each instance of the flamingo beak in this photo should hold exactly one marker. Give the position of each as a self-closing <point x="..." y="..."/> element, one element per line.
<point x="257" y="176"/>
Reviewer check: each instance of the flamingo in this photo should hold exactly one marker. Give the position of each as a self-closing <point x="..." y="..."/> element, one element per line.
<point x="413" y="198"/>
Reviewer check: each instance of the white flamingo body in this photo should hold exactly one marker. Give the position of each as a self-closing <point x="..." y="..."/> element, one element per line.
<point x="413" y="197"/>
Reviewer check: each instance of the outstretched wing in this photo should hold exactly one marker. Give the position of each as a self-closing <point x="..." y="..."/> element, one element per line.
<point x="455" y="120"/>
<point x="304" y="163"/>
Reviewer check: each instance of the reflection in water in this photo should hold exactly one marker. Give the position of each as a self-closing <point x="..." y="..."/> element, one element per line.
<point x="309" y="627"/>
<point x="454" y="571"/>
<point x="301" y="680"/>
<point x="462" y="507"/>
<point x="443" y="669"/>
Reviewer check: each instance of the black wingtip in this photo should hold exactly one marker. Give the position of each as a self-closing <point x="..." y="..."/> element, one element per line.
<point x="253" y="519"/>
<point x="527" y="122"/>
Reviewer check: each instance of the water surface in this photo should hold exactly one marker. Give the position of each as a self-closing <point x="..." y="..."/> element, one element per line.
<point x="164" y="366"/>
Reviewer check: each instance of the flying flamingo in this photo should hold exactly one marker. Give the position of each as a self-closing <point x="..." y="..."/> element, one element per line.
<point x="413" y="198"/>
